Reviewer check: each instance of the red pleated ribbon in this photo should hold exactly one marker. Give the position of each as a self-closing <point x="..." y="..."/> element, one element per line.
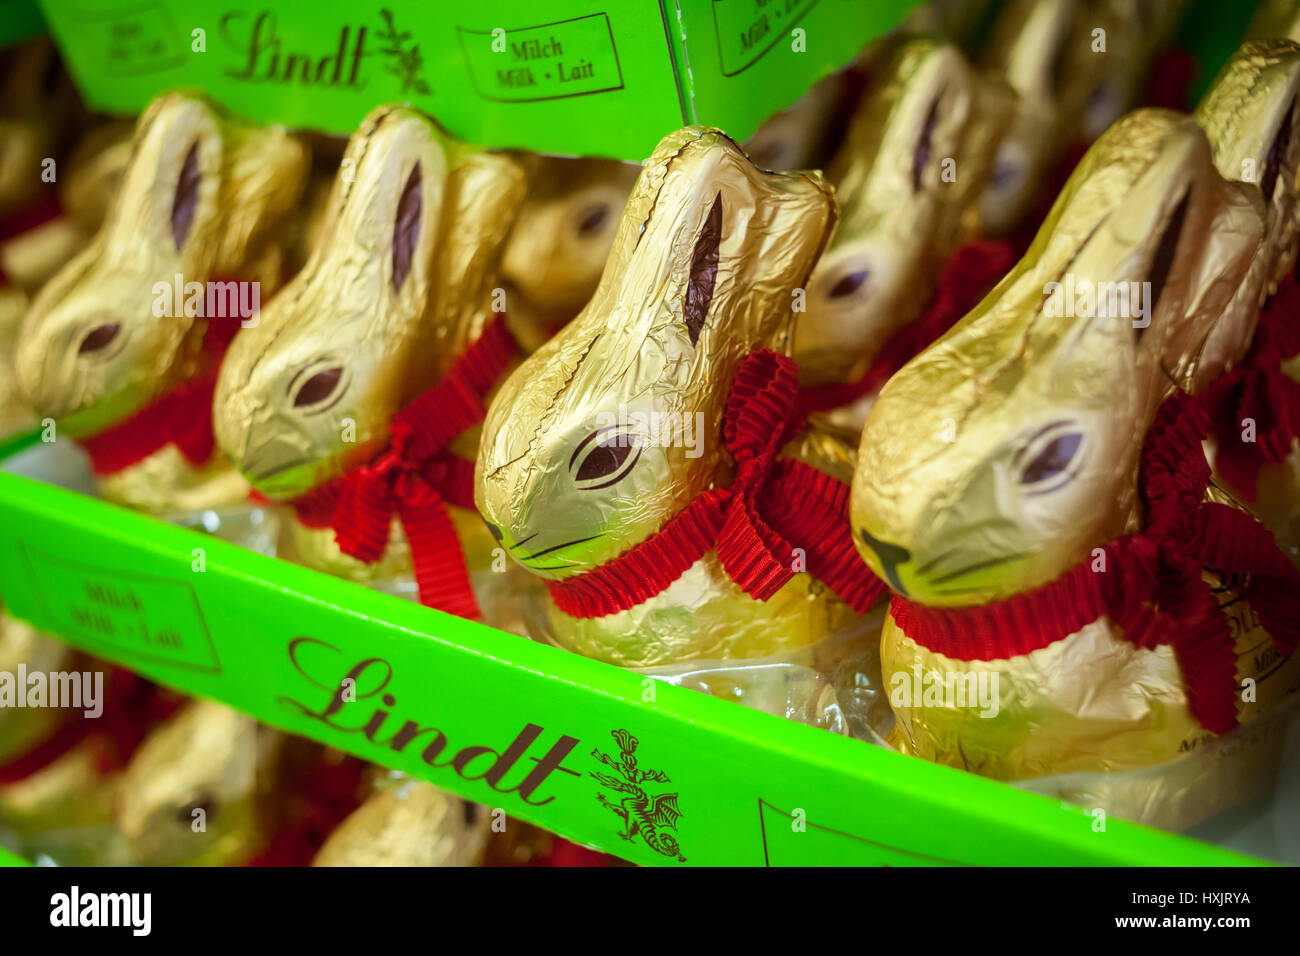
<point x="1151" y="586"/>
<point x="181" y="416"/>
<point x="416" y="476"/>
<point x="968" y="274"/>
<point x="770" y="509"/>
<point x="1259" y="394"/>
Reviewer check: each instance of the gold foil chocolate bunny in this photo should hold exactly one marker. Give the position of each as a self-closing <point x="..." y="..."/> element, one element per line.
<point x="560" y="241"/>
<point x="412" y="823"/>
<point x="198" y="790"/>
<point x="1250" y="117"/>
<point x="22" y="646"/>
<point x="997" y="490"/>
<point x="908" y="180"/>
<point x="369" y="366"/>
<point x="610" y="439"/>
<point x="121" y="347"/>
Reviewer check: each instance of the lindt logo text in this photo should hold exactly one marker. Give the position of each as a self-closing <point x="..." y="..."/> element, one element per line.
<point x="363" y="688"/>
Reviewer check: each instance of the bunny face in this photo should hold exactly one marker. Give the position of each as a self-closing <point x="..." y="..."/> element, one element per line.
<point x="916" y="160"/>
<point x="1042" y="48"/>
<point x="983" y="461"/>
<point x="208" y="758"/>
<point x="1250" y="117"/>
<point x="614" y="425"/>
<point x="395" y="290"/>
<point x="198" y="199"/>
<point x="561" y="239"/>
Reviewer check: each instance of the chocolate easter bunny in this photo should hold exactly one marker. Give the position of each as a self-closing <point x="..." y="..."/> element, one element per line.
<point x="997" y="491"/>
<point x="364" y="377"/>
<point x="1250" y="117"/>
<point x="560" y="241"/>
<point x="201" y="203"/>
<point x="412" y="823"/>
<point x="908" y="180"/>
<point x="1042" y="49"/>
<point x="612" y="458"/>
<point x="198" y="790"/>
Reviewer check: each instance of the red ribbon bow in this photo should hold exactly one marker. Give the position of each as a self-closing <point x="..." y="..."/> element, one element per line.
<point x="1151" y="583"/>
<point x="415" y="478"/>
<point x="755" y="525"/>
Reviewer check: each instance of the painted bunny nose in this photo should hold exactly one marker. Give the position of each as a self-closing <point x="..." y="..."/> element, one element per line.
<point x="890" y="555"/>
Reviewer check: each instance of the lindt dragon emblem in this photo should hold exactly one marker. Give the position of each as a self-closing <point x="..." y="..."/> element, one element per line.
<point x="649" y="816"/>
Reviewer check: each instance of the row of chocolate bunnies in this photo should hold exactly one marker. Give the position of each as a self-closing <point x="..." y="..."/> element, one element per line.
<point x="787" y="396"/>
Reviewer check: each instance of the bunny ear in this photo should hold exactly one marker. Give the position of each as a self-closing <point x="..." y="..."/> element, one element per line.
<point x="406" y="228"/>
<point x="186" y="197"/>
<point x="704" y="272"/>
<point x="921" y="151"/>
<point x="1163" y="259"/>
<point x="168" y="193"/>
<point x="1276" y="153"/>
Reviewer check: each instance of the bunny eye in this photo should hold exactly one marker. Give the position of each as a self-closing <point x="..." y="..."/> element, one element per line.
<point x="99" y="338"/>
<point x="849" y="284"/>
<point x="1276" y="153"/>
<point x="593" y="217"/>
<point x="604" y="461"/>
<point x="205" y="802"/>
<point x="318" y="387"/>
<point x="1052" y="459"/>
<point x="187" y="196"/>
<point x="469" y="812"/>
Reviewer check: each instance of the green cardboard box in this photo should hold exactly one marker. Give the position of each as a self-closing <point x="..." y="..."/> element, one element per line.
<point x="563" y="76"/>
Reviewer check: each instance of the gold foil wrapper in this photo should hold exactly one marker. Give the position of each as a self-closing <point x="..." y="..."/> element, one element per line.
<point x="202" y="198"/>
<point x="197" y="792"/>
<point x="999" y="459"/>
<point x="1275" y="20"/>
<point x="561" y="237"/>
<point x="908" y="180"/>
<point x="1076" y="67"/>
<point x="614" y="426"/>
<point x="399" y="286"/>
<point x="23" y="727"/>
<point x="411" y="824"/>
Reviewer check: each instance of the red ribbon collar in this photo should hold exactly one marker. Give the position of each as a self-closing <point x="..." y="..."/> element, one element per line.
<point x="416" y="476"/>
<point x="1151" y="587"/>
<point x="968" y="274"/>
<point x="1260" y="392"/>
<point x="181" y="416"/>
<point x="772" y="507"/>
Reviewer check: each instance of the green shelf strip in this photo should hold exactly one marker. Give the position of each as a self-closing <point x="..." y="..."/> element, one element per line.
<point x="515" y="724"/>
<point x="11" y="859"/>
<point x="557" y="76"/>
